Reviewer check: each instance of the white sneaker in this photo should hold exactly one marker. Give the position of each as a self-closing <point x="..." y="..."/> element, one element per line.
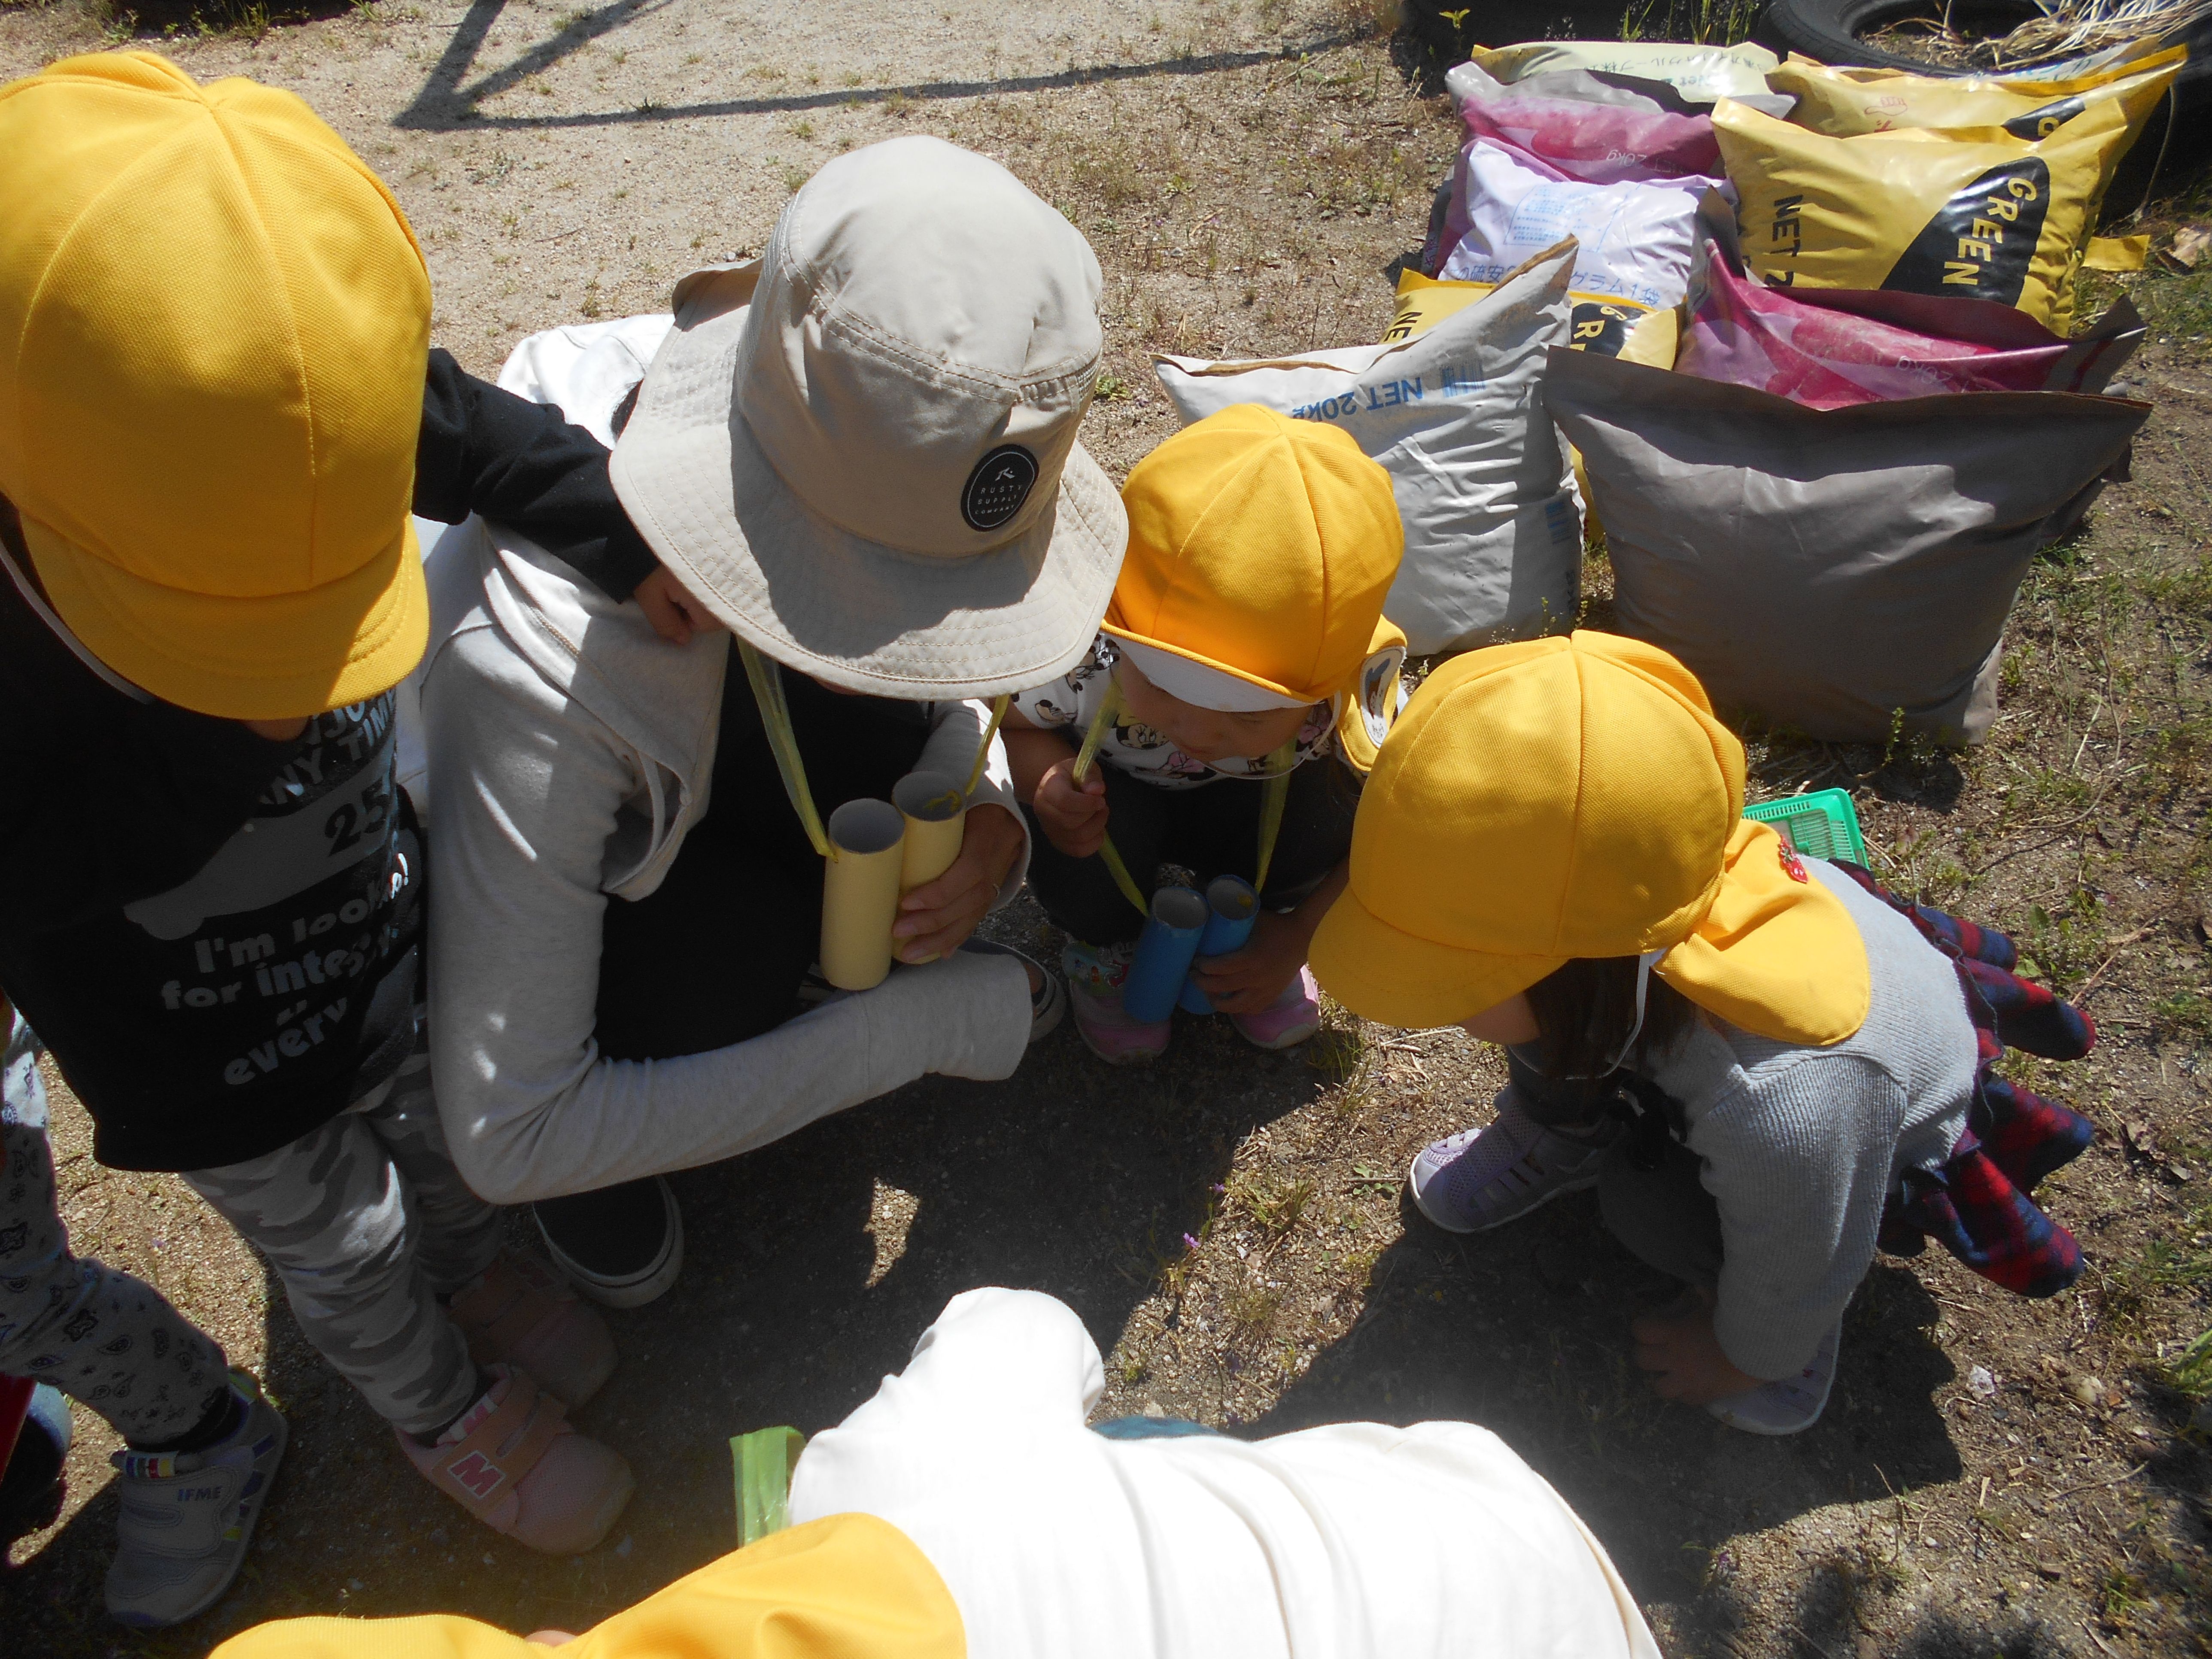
<point x="1793" y="1403"/>
<point x="188" y="1516"/>
<point x="1482" y="1178"/>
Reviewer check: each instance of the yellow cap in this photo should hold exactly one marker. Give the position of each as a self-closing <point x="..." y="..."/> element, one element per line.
<point x="845" y="1587"/>
<point x="1259" y="546"/>
<point x="1571" y="798"/>
<point x="214" y="323"/>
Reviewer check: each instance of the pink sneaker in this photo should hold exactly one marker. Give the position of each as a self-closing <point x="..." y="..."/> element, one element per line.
<point x="520" y="1311"/>
<point x="514" y="1462"/>
<point x="1094" y="974"/>
<point x="1287" y="1021"/>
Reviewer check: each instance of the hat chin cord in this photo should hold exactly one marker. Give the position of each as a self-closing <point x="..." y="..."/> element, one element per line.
<point x="1644" y="965"/>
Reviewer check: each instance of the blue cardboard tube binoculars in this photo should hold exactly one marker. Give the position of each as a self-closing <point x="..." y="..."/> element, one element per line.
<point x="1231" y="910"/>
<point x="1181" y="927"/>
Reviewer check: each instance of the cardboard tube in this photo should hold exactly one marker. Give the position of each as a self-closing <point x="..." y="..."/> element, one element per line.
<point x="860" y="893"/>
<point x="1232" y="909"/>
<point x="936" y="812"/>
<point x="935" y="808"/>
<point x="1163" y="953"/>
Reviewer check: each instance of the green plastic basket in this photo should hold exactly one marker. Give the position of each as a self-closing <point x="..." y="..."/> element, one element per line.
<point x="1821" y="825"/>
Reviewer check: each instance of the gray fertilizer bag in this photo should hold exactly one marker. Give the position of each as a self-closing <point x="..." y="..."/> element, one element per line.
<point x="1832" y="570"/>
<point x="1493" y="527"/>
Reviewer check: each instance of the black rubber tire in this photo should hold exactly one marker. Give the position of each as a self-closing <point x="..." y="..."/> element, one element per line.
<point x="1833" y="31"/>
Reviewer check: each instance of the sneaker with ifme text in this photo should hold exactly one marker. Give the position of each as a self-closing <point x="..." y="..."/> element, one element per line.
<point x="188" y="1516"/>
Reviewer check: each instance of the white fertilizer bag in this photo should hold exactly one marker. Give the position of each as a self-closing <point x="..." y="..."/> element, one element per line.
<point x="1700" y="74"/>
<point x="1493" y="528"/>
<point x="1634" y="236"/>
<point x="588" y="368"/>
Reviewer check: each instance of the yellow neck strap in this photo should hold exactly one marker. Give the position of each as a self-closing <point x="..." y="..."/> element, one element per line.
<point x="766" y="677"/>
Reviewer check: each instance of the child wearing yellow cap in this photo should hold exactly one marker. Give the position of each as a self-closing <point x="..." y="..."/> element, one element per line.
<point x="1765" y="1064"/>
<point x="218" y="405"/>
<point x="1239" y="683"/>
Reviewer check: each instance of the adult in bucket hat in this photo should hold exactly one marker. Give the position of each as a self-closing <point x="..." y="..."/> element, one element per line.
<point x="218" y="405"/>
<point x="1246" y="639"/>
<point x="858" y="453"/>
<point x="1551" y="853"/>
<point x="966" y="1512"/>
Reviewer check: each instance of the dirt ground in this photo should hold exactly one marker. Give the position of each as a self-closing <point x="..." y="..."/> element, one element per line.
<point x="1992" y="1476"/>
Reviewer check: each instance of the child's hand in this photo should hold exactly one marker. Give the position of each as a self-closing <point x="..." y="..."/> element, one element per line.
<point x="1247" y="980"/>
<point x="937" y="916"/>
<point x="676" y="615"/>
<point x="1074" y="814"/>
<point x="1677" y="1345"/>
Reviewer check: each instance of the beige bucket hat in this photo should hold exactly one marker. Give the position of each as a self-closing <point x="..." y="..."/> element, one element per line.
<point x="859" y="450"/>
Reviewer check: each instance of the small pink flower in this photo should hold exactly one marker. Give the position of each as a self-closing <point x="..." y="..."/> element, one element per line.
<point x="1190" y="1241"/>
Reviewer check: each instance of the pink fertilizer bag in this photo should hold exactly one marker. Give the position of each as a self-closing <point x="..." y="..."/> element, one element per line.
<point x="1830" y="348"/>
<point x="1609" y="130"/>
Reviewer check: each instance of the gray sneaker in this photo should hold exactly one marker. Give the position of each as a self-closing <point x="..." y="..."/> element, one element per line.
<point x="1482" y="1178"/>
<point x="188" y="1516"/>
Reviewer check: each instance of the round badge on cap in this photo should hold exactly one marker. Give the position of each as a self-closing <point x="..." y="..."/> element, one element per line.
<point x="997" y="488"/>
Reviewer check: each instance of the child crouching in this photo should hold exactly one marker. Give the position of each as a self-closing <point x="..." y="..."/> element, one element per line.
<point x="1765" y="1064"/>
<point x="1245" y="639"/>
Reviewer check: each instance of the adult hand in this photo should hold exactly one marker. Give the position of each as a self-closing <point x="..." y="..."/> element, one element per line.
<point x="1677" y="1345"/>
<point x="938" y="914"/>
<point x="1245" y="981"/>
<point x="676" y="615"/>
<point x="1074" y="815"/>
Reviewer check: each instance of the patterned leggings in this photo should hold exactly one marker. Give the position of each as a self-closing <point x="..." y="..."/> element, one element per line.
<point x="99" y="1336"/>
<point x="364" y="1219"/>
<point x="370" y="1225"/>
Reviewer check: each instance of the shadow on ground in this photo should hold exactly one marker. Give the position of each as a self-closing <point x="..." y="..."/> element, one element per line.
<point x="1526" y="1333"/>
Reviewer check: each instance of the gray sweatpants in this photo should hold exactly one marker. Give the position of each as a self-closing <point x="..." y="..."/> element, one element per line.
<point x="1664" y="1215"/>
<point x="370" y="1225"/>
<point x="99" y="1335"/>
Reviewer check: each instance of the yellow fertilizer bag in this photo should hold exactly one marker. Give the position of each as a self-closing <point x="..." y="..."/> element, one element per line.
<point x="1972" y="211"/>
<point x="1600" y="323"/>
<point x="1603" y="323"/>
<point x="1844" y="102"/>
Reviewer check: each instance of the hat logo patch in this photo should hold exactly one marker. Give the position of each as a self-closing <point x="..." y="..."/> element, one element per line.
<point x="997" y="488"/>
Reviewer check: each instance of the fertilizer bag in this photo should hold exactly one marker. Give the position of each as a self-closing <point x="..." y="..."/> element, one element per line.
<point x="1632" y="237"/>
<point x="1600" y="132"/>
<point x="1843" y="102"/>
<point x="1830" y="348"/>
<point x="1493" y="538"/>
<point x="586" y="368"/>
<point x="1975" y="213"/>
<point x="1832" y="570"/>
<point x="1700" y="74"/>
<point x="1603" y="323"/>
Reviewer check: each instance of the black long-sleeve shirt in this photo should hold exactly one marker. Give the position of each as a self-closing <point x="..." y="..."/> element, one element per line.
<point x="217" y="935"/>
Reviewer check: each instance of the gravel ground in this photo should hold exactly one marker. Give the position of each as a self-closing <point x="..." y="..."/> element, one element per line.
<point x="1993" y="1475"/>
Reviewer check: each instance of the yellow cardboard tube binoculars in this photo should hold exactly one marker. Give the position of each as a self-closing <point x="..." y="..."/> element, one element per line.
<point x="884" y="850"/>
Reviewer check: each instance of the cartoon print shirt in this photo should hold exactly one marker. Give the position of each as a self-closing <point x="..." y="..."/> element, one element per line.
<point x="1070" y="703"/>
